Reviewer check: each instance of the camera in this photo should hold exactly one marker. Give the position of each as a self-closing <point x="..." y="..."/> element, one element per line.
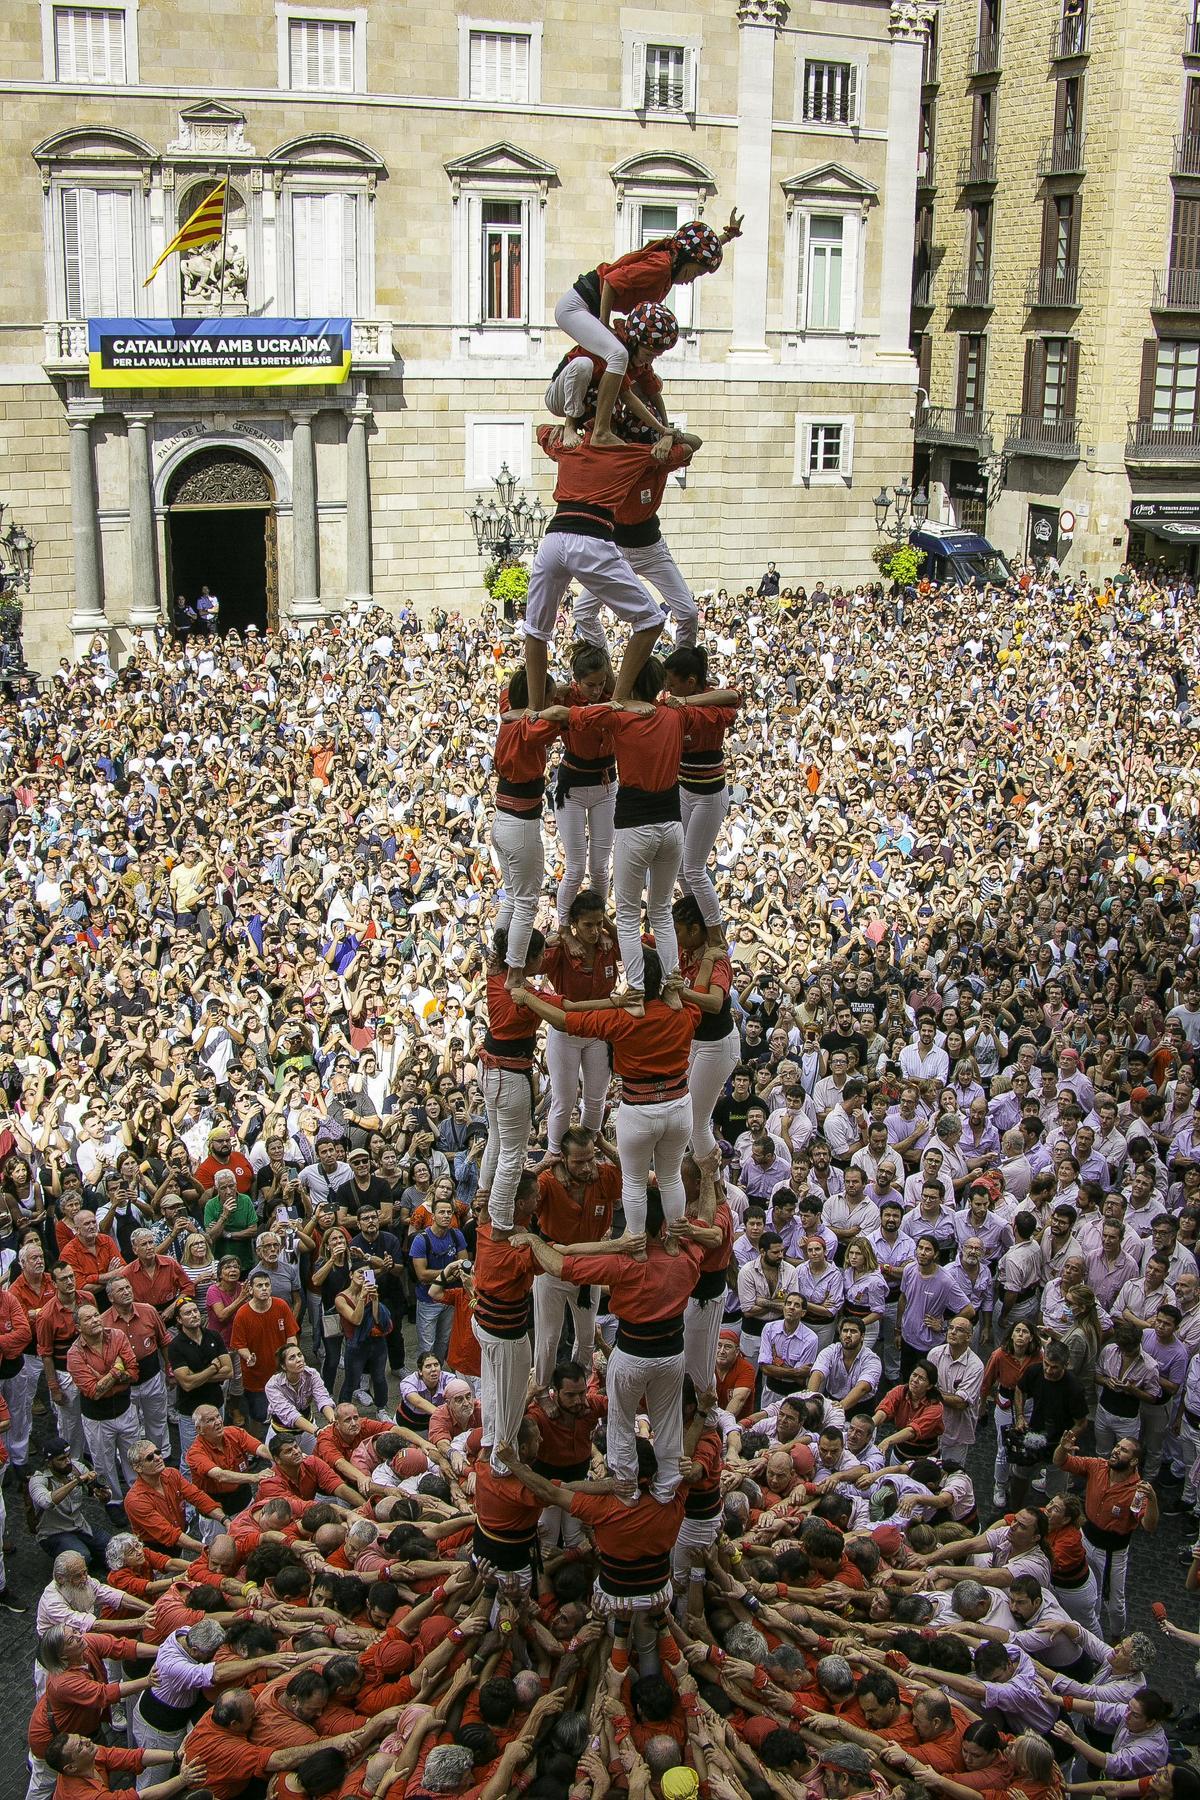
<point x="1025" y="1447"/>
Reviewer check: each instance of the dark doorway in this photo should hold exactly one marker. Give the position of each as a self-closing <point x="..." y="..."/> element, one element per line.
<point x="224" y="550"/>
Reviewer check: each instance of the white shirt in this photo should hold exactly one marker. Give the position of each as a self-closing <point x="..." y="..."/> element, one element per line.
<point x="961" y="1376"/>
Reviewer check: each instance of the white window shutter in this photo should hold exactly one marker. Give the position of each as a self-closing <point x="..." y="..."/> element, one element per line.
<point x="73" y="251"/>
<point x="801" y="271"/>
<point x="637" y="98"/>
<point x="347" y="300"/>
<point x="474" y="205"/>
<point x="852" y="96"/>
<point x="691" y="80"/>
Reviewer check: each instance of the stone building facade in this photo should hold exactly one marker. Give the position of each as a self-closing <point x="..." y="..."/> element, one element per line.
<point x="1057" y="277"/>
<point x="440" y="177"/>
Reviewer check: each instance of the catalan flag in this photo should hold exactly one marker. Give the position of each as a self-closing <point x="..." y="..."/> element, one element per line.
<point x="205" y="226"/>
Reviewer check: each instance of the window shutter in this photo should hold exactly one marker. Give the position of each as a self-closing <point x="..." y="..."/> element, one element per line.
<point x="1071" y="378"/>
<point x="802" y="271"/>
<point x="1185" y="236"/>
<point x="981" y="365"/>
<point x="73" y="251"/>
<point x="1049" y="231"/>
<point x="852" y="117"/>
<point x="347" y="300"/>
<point x="1060" y="107"/>
<point x="1031" y="376"/>
<point x="924" y="360"/>
<point x="1192" y="125"/>
<point x="1076" y="220"/>
<point x="1146" y="386"/>
<point x="637" y="98"/>
<point x="345" y="57"/>
<point x="691" y="81"/>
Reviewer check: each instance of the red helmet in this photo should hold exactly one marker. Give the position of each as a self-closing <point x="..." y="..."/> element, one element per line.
<point x="651" y="325"/>
<point x="695" y="242"/>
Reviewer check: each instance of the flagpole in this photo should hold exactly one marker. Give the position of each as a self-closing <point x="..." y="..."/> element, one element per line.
<point x="224" y="235"/>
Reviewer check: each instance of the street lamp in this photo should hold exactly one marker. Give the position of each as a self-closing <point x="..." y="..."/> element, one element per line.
<point x="507" y="531"/>
<point x="16" y="573"/>
<point x="900" y="512"/>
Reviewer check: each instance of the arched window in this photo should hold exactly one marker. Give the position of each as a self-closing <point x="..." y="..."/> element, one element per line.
<point x="214" y="276"/>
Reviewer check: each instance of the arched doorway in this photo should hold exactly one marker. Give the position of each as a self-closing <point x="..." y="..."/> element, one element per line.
<point x="221" y="535"/>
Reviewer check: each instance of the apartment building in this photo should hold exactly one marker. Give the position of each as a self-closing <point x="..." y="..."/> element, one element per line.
<point x="410" y="189"/>
<point x="1056" y="277"/>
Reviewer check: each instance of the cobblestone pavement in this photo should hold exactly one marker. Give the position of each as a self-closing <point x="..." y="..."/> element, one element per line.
<point x="1156" y="1573"/>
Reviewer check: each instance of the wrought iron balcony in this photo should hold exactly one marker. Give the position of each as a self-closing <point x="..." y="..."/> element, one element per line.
<point x="968" y="426"/>
<point x="1070" y="37"/>
<point x="1062" y="154"/>
<point x="1177" y="290"/>
<point x="1031" y="434"/>
<point x="1187" y="154"/>
<point x="985" y="57"/>
<point x="977" y="166"/>
<point x="1162" y="445"/>
<point x="972" y="288"/>
<point x="1051" y="286"/>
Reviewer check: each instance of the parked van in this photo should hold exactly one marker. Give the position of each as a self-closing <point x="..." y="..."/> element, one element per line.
<point x="959" y="556"/>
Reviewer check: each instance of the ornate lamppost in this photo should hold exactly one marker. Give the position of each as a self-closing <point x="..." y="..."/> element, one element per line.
<point x="900" y="512"/>
<point x="508" y="527"/>
<point x="16" y="572"/>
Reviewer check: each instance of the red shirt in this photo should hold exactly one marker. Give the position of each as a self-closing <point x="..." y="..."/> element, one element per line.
<point x="926" y="1420"/>
<point x="718" y="1259"/>
<point x="657" y="1289"/>
<point x="566" y="1442"/>
<point x="90" y="1265"/>
<point x="520" y="757"/>
<point x="564" y="1220"/>
<point x="654" y="1048"/>
<point x="146" y="1333"/>
<point x="159" y="1518"/>
<point x="16" y="1333"/>
<point x="566" y="970"/>
<point x="509" y="1024"/>
<point x="649" y="745"/>
<point x="230" y="1762"/>
<point x="56" y="1331"/>
<point x="602" y="478"/>
<point x="331" y="1449"/>
<point x="265" y="1333"/>
<point x="1107" y="1501"/>
<point x="164" y="1281"/>
<point x="130" y="1582"/>
<point x="87" y="1366"/>
<point x="32" y="1301"/>
<point x="110" y="1762"/>
<point x="740" y="1375"/>
<point x="206" y="1171"/>
<point x="314" y="1477"/>
<point x="504" y="1274"/>
<point x="503" y="1507"/>
<point x="464" y="1354"/>
<point x="634" y="1542"/>
<point x="236" y="1453"/>
<point x="640" y="275"/>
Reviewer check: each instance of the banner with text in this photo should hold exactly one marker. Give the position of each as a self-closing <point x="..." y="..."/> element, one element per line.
<point x="165" y="353"/>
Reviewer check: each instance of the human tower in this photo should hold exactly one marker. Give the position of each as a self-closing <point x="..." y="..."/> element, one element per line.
<point x="639" y="786"/>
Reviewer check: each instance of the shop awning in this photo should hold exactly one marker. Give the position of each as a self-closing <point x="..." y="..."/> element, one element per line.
<point x="1174" y="533"/>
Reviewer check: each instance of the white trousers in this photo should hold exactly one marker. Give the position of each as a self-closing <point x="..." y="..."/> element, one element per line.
<point x="703" y="816"/>
<point x="710" y="1064"/>
<point x="109" y="1443"/>
<point x="660" y="1380"/>
<point x="573" y="316"/>
<point x="552" y="1300"/>
<point x="522" y="858"/>
<point x="567" y="1059"/>
<point x="567" y="556"/>
<point x="654" y="563"/>
<point x="647" y="856"/>
<point x="558" y="1525"/>
<point x="151" y="1737"/>
<point x="584" y="823"/>
<point x="1109" y="1569"/>
<point x="504" y="1389"/>
<point x="150" y="1403"/>
<point x="1081" y="1604"/>
<point x="702" y="1323"/>
<point x="695" y="1537"/>
<point x="509" y="1106"/>
<point x="67" y="1416"/>
<point x="652" y="1137"/>
<point x="566" y="396"/>
<point x="19" y="1391"/>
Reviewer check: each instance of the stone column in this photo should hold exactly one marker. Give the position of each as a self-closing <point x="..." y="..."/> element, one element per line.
<point x="306" y="603"/>
<point x="143" y="546"/>
<point x="358" y="506"/>
<point x="760" y="23"/>
<point x="88" y="616"/>
<point x="908" y="25"/>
